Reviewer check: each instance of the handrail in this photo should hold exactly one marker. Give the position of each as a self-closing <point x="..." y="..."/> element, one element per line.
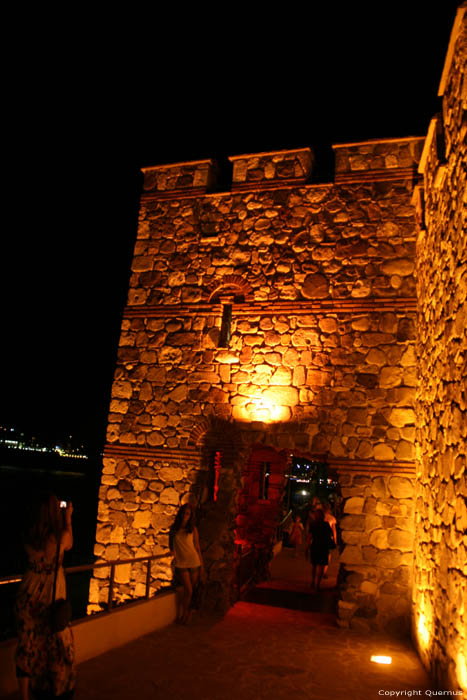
<point x="15" y="578"/>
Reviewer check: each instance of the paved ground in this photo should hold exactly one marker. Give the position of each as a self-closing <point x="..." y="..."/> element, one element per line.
<point x="257" y="651"/>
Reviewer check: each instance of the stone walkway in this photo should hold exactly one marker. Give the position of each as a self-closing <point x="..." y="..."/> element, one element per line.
<point x="257" y="651"/>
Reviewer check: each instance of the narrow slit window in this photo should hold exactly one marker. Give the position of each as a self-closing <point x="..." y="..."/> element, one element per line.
<point x="264" y="481"/>
<point x="226" y="326"/>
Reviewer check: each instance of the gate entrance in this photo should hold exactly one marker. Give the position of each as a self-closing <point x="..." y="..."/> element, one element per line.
<point x="279" y="489"/>
<point x="259" y="509"/>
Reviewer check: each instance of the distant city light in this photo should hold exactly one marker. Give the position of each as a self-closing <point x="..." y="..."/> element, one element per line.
<point x="29" y="445"/>
<point x="10" y="580"/>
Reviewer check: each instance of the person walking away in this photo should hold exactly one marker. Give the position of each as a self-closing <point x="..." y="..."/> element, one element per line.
<point x="318" y="545"/>
<point x="296" y="534"/>
<point x="329" y="518"/>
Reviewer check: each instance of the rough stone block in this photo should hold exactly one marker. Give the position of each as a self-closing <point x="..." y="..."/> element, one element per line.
<point x="155" y="438"/>
<point x="372" y="522"/>
<point x="351" y="555"/>
<point x="369" y="587"/>
<point x="369" y="554"/>
<point x="364" y="450"/>
<point x="315" y="286"/>
<point x="122" y="390"/>
<point x="109" y="465"/>
<point x="401" y="417"/>
<point x="383" y="452"/>
<point x="390" y="377"/>
<point x="379" y="487"/>
<point x="170" y="496"/>
<point x="400" y="487"/>
<point x="170" y="474"/>
<point x="93" y="591"/>
<point x="354" y="505"/>
<point x="122" y="573"/>
<point x="379" y="539"/>
<point x="389" y="559"/>
<point x="116" y="535"/>
<point x="112" y="552"/>
<point x="357" y="415"/>
<point x="349" y="537"/>
<point x="346" y="610"/>
<point x="142" y="519"/>
<point x="281" y="395"/>
<point x="404" y="450"/>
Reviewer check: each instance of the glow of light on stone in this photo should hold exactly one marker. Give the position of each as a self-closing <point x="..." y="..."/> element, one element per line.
<point x="423" y="629"/>
<point x="461" y="670"/>
<point x="264" y="410"/>
<point x="381" y="659"/>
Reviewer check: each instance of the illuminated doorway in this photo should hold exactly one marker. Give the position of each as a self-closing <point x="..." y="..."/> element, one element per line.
<point x="274" y="571"/>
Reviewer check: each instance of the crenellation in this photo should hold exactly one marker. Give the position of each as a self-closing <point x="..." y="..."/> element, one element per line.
<point x="197" y="175"/>
<point x="267" y="168"/>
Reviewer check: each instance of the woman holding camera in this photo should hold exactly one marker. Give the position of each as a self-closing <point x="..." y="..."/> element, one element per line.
<point x="44" y="658"/>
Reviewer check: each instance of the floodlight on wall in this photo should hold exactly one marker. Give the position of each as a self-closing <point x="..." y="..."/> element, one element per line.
<point x="381" y="659"/>
<point x="261" y="409"/>
<point x="461" y="669"/>
<point x="423" y="629"/>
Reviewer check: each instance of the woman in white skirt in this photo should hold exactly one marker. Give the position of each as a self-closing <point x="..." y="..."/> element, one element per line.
<point x="184" y="546"/>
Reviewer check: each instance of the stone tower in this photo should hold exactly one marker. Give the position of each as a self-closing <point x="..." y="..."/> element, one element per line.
<point x="280" y="319"/>
<point x="278" y="316"/>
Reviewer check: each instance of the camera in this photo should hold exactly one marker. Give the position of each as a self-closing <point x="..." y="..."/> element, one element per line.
<point x="63" y="504"/>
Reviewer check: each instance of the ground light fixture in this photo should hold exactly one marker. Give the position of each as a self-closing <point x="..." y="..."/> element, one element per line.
<point x="381" y="659"/>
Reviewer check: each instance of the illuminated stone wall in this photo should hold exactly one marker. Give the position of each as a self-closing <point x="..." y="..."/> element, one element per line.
<point x="440" y="591"/>
<point x="280" y="313"/>
<point x="377" y="529"/>
<point x="319" y="355"/>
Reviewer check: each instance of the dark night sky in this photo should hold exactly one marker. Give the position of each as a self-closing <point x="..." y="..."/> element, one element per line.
<point x="78" y="139"/>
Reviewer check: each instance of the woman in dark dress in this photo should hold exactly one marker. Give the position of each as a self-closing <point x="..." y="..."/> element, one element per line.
<point x="44" y="658"/>
<point x="318" y="544"/>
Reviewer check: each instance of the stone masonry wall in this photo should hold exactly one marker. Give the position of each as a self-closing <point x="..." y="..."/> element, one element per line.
<point x="357" y="160"/>
<point x="319" y="357"/>
<point x="339" y="383"/>
<point x="440" y="591"/>
<point x="377" y="529"/>
<point x="138" y="501"/>
<point x="315" y="242"/>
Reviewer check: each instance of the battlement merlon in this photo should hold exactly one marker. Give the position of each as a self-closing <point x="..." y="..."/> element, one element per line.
<point x="377" y="159"/>
<point x="271" y="168"/>
<point x="196" y="176"/>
